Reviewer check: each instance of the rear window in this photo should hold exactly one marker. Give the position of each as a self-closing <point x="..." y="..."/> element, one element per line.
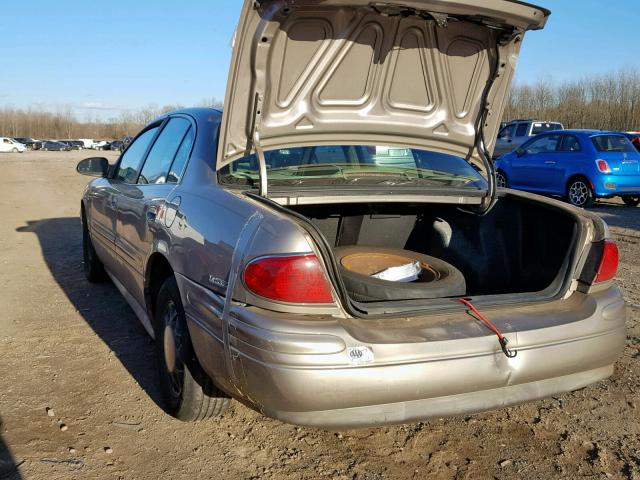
<point x="539" y="127"/>
<point x="612" y="143"/>
<point x="355" y="165"/>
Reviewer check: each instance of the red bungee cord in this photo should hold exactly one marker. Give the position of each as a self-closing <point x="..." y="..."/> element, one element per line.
<point x="501" y="338"/>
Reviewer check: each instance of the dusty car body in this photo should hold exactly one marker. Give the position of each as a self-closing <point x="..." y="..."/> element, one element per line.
<point x="224" y="244"/>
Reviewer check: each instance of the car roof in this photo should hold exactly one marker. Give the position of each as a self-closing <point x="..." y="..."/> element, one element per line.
<point x="530" y="120"/>
<point x="199" y="113"/>
<point x="590" y="132"/>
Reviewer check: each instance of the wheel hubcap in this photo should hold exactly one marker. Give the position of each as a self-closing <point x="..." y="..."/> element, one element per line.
<point x="578" y="193"/>
<point x="172" y="341"/>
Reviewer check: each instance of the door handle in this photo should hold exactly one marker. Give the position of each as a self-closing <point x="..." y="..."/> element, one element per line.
<point x="550" y="162"/>
<point x="113" y="202"/>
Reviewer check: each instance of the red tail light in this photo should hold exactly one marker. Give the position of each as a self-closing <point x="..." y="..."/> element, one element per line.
<point x="603" y="166"/>
<point x="292" y="279"/>
<point x="609" y="262"/>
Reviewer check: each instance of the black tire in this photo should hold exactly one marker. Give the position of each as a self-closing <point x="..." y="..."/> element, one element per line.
<point x="631" y="201"/>
<point x="93" y="267"/>
<point x="188" y="392"/>
<point x="579" y="193"/>
<point x="450" y="281"/>
<point x="501" y="179"/>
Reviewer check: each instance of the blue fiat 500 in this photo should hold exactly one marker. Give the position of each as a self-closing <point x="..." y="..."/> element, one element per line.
<point x="579" y="165"/>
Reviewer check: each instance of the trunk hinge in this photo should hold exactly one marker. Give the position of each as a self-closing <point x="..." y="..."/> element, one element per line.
<point x="504" y="38"/>
<point x="253" y="143"/>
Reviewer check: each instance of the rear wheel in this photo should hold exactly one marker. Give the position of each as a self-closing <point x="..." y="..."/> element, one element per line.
<point x="501" y="179"/>
<point x="189" y="393"/>
<point x="14" y="150"/>
<point x="579" y="193"/>
<point x="631" y="201"/>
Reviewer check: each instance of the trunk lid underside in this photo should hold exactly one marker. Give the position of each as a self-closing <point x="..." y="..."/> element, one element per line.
<point x="410" y="73"/>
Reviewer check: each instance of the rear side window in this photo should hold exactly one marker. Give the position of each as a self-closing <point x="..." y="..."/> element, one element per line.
<point x="129" y="167"/>
<point x="539" y="127"/>
<point x="164" y="150"/>
<point x="522" y="130"/>
<point x="569" y="143"/>
<point x="612" y="143"/>
<point x="180" y="160"/>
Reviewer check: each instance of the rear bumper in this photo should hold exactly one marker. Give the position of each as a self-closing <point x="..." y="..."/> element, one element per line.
<point x="443" y="406"/>
<point x="617" y="185"/>
<point x="300" y="371"/>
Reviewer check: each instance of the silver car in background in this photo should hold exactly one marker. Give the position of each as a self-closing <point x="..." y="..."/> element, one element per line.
<point x="326" y="251"/>
<point x="515" y="133"/>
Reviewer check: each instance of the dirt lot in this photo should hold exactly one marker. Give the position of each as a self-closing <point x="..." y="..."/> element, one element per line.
<point x="79" y="394"/>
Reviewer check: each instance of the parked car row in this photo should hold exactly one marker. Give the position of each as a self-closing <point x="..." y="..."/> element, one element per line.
<point x="118" y="145"/>
<point x="578" y="165"/>
<point x="20" y="144"/>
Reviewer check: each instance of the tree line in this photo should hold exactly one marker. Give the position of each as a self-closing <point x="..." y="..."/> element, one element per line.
<point x="603" y="102"/>
<point x="63" y="124"/>
<point x="607" y="102"/>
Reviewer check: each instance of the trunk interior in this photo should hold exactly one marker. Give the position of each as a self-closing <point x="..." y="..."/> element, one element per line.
<point x="519" y="247"/>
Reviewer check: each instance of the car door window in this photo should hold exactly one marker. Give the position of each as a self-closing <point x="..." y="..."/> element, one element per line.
<point x="548" y="143"/>
<point x="507" y="132"/>
<point x="184" y="151"/>
<point x="569" y="143"/>
<point x="156" y="167"/>
<point x="522" y="130"/>
<point x="131" y="160"/>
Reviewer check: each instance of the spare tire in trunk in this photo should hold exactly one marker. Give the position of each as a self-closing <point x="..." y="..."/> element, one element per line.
<point x="436" y="278"/>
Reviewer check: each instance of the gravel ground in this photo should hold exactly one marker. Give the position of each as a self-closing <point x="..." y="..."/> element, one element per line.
<point x="79" y="396"/>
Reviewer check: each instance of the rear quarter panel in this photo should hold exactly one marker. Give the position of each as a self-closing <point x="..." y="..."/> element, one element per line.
<point x="206" y="232"/>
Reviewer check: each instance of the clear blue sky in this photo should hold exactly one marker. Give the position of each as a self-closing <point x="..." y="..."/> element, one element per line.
<point x="101" y="60"/>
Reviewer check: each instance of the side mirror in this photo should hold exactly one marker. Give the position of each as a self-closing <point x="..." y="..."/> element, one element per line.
<point x="520" y="152"/>
<point x="93" y="167"/>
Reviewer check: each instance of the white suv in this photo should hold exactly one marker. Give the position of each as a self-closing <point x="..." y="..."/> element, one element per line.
<point x="10" y="145"/>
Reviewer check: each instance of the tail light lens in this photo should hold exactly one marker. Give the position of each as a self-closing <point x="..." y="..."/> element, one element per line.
<point x="291" y="279"/>
<point x="609" y="262"/>
<point x="603" y="166"/>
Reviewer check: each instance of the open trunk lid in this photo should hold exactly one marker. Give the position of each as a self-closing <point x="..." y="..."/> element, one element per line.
<point x="427" y="74"/>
